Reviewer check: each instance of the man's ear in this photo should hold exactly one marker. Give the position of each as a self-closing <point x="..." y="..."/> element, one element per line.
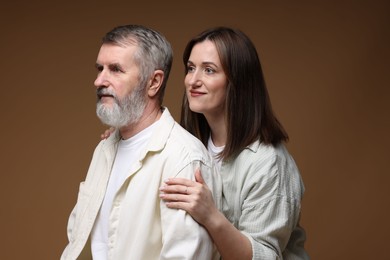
<point x="155" y="82"/>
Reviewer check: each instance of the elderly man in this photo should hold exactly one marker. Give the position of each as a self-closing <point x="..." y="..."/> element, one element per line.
<point x="118" y="214"/>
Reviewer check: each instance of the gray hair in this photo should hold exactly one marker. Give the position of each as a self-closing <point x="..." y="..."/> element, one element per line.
<point x="154" y="51"/>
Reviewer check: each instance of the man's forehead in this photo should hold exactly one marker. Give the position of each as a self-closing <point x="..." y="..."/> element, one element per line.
<point x="110" y="53"/>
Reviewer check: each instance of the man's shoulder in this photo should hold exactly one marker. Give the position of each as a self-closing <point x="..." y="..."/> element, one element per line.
<point x="182" y="148"/>
<point x="178" y="142"/>
<point x="184" y="138"/>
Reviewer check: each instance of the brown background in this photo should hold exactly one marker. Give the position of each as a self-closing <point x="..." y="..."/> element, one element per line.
<point x="327" y="69"/>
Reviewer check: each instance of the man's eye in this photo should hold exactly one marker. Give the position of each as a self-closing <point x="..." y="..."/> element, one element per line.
<point x="99" y="68"/>
<point x="115" y="68"/>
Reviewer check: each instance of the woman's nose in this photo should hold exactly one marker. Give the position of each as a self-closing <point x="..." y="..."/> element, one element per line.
<point x="194" y="79"/>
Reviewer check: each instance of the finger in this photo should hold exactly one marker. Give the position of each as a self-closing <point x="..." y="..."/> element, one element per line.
<point x="178" y="205"/>
<point x="174" y="197"/>
<point x="105" y="135"/>
<point x="198" y="176"/>
<point x="180" y="181"/>
<point x="174" y="189"/>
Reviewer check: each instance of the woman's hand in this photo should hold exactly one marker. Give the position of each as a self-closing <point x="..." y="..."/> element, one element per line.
<point x="193" y="197"/>
<point x="107" y="133"/>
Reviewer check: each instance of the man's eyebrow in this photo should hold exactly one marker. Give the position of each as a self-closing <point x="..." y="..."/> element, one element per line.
<point x="115" y="64"/>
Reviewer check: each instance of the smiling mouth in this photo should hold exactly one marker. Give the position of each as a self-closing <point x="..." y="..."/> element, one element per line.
<point x="196" y="93"/>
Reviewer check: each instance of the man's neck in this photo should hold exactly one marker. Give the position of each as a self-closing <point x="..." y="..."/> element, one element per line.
<point x="148" y="118"/>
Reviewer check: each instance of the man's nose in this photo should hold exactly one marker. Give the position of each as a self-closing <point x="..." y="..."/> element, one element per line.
<point x="101" y="79"/>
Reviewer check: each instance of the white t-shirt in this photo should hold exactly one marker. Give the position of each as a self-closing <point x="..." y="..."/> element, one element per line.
<point x="214" y="151"/>
<point x="128" y="151"/>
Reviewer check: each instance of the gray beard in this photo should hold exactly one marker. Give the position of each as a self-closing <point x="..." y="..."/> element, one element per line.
<point x="122" y="112"/>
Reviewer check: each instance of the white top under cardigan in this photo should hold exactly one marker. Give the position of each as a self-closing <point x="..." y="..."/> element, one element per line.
<point x="128" y="152"/>
<point x="140" y="225"/>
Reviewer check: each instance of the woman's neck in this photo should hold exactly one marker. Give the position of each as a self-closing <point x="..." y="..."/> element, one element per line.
<point x="218" y="130"/>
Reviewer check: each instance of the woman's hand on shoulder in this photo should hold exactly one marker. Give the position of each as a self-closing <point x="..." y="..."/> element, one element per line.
<point x="192" y="196"/>
<point x="107" y="133"/>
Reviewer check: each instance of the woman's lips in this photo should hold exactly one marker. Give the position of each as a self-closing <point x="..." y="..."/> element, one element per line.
<point x="196" y="93"/>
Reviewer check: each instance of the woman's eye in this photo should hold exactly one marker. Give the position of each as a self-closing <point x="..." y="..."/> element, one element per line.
<point x="209" y="70"/>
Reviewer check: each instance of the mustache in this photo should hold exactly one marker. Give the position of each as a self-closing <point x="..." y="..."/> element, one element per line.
<point x="101" y="92"/>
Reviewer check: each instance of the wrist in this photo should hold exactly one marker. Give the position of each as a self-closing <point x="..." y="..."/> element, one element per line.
<point x="215" y="221"/>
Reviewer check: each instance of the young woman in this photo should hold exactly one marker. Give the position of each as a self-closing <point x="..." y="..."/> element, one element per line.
<point x="226" y="105"/>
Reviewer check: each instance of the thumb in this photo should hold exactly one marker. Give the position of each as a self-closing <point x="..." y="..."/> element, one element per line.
<point x="198" y="176"/>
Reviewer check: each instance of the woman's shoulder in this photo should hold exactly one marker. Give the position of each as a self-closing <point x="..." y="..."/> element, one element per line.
<point x="263" y="164"/>
<point x="259" y="149"/>
<point x="259" y="156"/>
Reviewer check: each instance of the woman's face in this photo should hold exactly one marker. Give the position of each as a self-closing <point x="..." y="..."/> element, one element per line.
<point x="206" y="82"/>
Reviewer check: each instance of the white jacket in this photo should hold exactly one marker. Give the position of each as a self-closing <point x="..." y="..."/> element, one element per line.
<point x="141" y="226"/>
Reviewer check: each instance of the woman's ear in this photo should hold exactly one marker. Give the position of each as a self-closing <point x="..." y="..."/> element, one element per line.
<point x="155" y="83"/>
